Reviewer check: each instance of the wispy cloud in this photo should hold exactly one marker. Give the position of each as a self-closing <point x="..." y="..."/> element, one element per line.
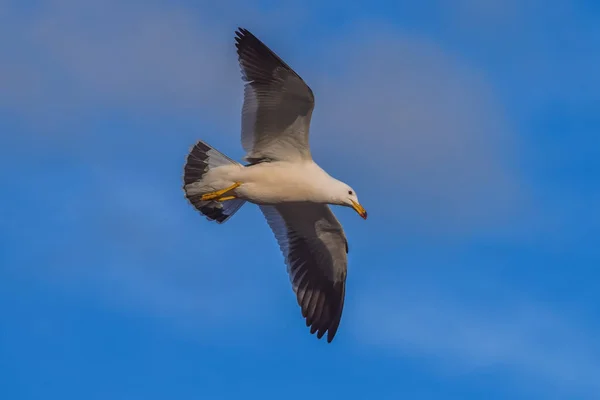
<point x="71" y="55"/>
<point x="422" y="133"/>
<point x="149" y="56"/>
<point x="527" y="340"/>
<point x="414" y="124"/>
<point x="425" y="126"/>
<point x="133" y="242"/>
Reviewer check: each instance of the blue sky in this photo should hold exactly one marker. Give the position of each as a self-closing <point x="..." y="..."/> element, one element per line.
<point x="468" y="128"/>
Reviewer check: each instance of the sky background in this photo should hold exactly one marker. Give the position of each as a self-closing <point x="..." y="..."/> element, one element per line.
<point x="470" y="130"/>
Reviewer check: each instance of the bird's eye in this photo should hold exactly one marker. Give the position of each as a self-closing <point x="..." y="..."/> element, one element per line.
<point x="350" y="192"/>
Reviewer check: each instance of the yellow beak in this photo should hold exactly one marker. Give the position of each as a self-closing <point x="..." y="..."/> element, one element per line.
<point x="359" y="209"/>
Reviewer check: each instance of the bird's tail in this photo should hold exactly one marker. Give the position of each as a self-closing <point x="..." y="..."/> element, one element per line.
<point x="201" y="159"/>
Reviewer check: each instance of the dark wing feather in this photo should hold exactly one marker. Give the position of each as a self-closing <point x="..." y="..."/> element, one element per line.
<point x="278" y="104"/>
<point x="314" y="246"/>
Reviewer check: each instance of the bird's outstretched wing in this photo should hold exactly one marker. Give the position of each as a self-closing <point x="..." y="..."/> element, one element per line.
<point x="314" y="246"/>
<point x="277" y="107"/>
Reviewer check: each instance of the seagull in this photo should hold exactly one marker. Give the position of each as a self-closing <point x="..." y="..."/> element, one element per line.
<point x="280" y="176"/>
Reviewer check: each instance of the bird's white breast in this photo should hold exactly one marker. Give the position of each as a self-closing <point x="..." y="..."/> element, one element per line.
<point x="279" y="182"/>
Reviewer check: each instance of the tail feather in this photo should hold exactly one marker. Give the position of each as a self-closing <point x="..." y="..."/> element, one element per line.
<point x="200" y="160"/>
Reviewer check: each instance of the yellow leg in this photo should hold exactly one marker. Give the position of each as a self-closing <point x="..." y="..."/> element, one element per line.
<point x="226" y="198"/>
<point x="217" y="195"/>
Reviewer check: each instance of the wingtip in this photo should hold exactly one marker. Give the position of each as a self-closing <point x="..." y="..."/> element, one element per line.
<point x="240" y="35"/>
<point x="331" y="330"/>
<point x="241" y="32"/>
<point x="331" y="333"/>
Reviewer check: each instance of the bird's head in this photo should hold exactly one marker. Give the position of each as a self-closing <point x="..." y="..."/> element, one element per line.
<point x="346" y="196"/>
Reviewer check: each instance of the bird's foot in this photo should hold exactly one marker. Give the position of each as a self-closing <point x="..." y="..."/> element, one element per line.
<point x="218" y="195"/>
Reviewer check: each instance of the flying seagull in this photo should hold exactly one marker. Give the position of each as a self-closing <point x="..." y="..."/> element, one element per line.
<point x="280" y="176"/>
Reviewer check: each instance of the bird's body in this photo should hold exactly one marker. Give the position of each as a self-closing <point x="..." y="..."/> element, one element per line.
<point x="292" y="191"/>
<point x="272" y="183"/>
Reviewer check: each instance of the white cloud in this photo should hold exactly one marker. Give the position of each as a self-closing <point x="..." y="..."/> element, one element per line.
<point x="140" y="55"/>
<point x="137" y="245"/>
<point x="75" y="55"/>
<point x="424" y="125"/>
<point x="414" y="117"/>
<point x="486" y="15"/>
<point x="417" y="120"/>
<point x="525" y="339"/>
